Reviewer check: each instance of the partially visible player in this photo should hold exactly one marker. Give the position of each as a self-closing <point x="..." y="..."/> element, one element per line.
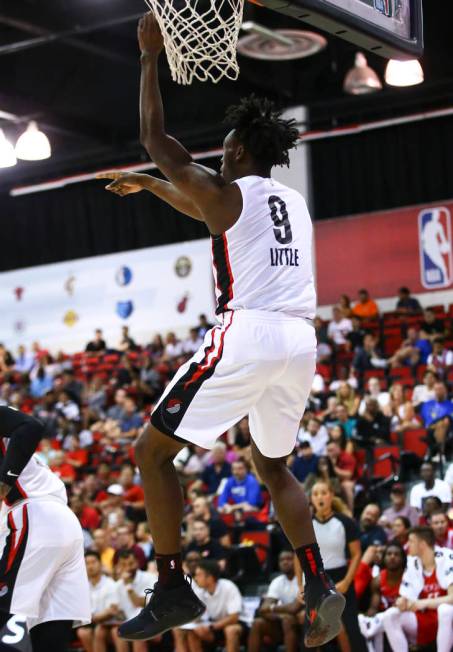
<point x="260" y="360"/>
<point x="424" y="611"/>
<point x="385" y="590"/>
<point x="42" y="567"/>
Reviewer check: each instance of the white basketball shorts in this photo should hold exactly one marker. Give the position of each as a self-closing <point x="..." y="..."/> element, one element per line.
<point x="255" y="363"/>
<point x="42" y="566"/>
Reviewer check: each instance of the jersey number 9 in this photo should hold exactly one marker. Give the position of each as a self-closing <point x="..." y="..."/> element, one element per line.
<point x="279" y="215"/>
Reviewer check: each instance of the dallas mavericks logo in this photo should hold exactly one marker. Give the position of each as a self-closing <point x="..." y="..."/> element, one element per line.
<point x="123" y="276"/>
<point x="434" y="234"/>
<point x="124" y="309"/>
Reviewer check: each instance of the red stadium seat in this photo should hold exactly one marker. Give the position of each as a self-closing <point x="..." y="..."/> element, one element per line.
<point x="261" y="540"/>
<point x="374" y="373"/>
<point x="412" y="442"/>
<point x="382" y="468"/>
<point x="400" y="372"/>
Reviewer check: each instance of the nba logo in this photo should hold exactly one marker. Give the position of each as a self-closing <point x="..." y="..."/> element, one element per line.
<point x="434" y="235"/>
<point x="384" y="7"/>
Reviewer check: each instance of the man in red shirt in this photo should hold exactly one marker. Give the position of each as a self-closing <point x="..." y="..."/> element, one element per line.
<point x="344" y="466"/>
<point x="424" y="611"/>
<point x="88" y="516"/>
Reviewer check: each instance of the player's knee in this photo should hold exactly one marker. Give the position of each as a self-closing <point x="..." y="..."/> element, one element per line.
<point x="154" y="448"/>
<point x="390" y="617"/>
<point x="445" y="612"/>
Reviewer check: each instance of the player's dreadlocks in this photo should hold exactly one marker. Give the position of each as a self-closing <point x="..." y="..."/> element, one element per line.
<point x="261" y="129"/>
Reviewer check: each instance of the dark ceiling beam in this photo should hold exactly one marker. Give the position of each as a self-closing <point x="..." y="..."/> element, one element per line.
<point x="68" y="37"/>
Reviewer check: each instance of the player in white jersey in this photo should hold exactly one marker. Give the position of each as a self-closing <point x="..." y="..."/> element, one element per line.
<point x="260" y="359"/>
<point x="42" y="568"/>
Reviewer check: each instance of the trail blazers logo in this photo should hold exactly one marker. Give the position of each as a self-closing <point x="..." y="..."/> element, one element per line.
<point x="434" y="234"/>
<point x="173" y="406"/>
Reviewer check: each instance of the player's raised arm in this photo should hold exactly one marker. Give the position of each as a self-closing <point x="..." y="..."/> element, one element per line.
<point x="220" y="203"/>
<point x="24" y="433"/>
<point x="127" y="183"/>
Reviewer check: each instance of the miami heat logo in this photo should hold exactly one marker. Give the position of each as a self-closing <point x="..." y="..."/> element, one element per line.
<point x="173" y="406"/>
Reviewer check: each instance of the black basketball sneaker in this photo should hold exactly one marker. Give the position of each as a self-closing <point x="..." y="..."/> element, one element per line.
<point x="323" y="614"/>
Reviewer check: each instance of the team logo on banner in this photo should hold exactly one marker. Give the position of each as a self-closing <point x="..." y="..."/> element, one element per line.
<point x="434" y="234"/>
<point x="124" y="309"/>
<point x="19" y="292"/>
<point x="123" y="276"/>
<point x="69" y="285"/>
<point x="181" y="306"/>
<point x="71" y="318"/>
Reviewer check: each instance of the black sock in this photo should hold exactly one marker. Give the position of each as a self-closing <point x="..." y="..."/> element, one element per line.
<point x="312" y="565"/>
<point x="170" y="570"/>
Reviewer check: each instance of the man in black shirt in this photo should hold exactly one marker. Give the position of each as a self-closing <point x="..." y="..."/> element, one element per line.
<point x="372" y="534"/>
<point x="97" y="345"/>
<point x="431" y="325"/>
<point x="207" y="547"/>
<point x="407" y="305"/>
<point x="373" y="425"/>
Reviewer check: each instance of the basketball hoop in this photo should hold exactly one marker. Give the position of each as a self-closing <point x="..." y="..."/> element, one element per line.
<point x="200" y="37"/>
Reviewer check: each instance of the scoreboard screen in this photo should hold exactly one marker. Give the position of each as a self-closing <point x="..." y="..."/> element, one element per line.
<point x="390" y="28"/>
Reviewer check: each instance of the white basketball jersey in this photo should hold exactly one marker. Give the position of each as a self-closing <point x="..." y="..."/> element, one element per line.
<point x="264" y="261"/>
<point x="35" y="481"/>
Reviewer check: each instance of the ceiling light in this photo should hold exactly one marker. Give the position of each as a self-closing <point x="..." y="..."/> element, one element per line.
<point x="7" y="155"/>
<point x="33" y="145"/>
<point x="361" y="79"/>
<point x="404" y="73"/>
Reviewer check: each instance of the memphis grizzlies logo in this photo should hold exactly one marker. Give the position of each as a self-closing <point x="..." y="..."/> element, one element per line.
<point x="123" y="276"/>
<point x="434" y="234"/>
<point x="124" y="309"/>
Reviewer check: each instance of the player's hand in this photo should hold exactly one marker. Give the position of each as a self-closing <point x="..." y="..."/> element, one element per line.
<point x="4" y="490"/>
<point x="149" y="35"/>
<point x="402" y="603"/>
<point x="123" y="183"/>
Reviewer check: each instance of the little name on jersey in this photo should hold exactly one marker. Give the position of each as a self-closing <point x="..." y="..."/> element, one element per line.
<point x="284" y="256"/>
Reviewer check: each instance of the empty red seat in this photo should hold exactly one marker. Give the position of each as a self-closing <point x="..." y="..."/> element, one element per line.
<point x="400" y="372"/>
<point x="413" y="443"/>
<point x="382" y="468"/>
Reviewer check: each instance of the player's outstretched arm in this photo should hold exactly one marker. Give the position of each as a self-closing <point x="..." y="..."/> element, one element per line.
<point x="127" y="183"/>
<point x="24" y="433"/>
<point x="219" y="203"/>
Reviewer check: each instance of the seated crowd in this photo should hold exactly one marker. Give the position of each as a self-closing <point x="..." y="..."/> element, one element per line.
<point x="372" y="452"/>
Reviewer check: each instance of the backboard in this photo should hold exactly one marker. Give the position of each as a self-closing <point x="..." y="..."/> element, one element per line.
<point x="389" y="28"/>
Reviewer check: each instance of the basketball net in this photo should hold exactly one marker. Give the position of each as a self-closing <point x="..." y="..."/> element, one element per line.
<point x="200" y="37"/>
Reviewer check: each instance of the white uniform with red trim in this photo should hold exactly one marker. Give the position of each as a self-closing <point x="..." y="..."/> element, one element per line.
<point x="42" y="567"/>
<point x="260" y="360"/>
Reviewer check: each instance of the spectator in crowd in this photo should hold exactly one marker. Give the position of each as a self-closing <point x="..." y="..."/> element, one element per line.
<point x="373" y="427"/>
<point x="425" y="392"/>
<point x="315" y="434"/>
<point x="365" y="308"/>
<point x="384" y="593"/>
<point x="201" y="509"/>
<point x="324" y="350"/>
<point x="241" y="491"/>
<point x="441" y="358"/>
<point x="405" y="419"/>
<point x="367" y="356"/>
<point x="436" y="415"/>
<point x="131" y="420"/>
<point x="97" y="345"/>
<point x="371" y="534"/>
<point x="116" y="411"/>
<point x="431" y="325"/>
<point x="173" y="347"/>
<point x="71" y="385"/>
<point x="203" y="544"/>
<point x="400" y="531"/>
<point x="406" y="304"/>
<point x="88" y="516"/>
<point x="429" y="486"/>
<point x="346" y="396"/>
<point x="305" y="462"/>
<point x="6" y="359"/>
<point x="339" y="327"/>
<point x="343" y="419"/>
<point x="415" y="349"/>
<point x="203" y="325"/>
<point x="324" y="471"/>
<point x="76" y="456"/>
<point x="440" y="525"/>
<point x="41" y="383"/>
<point x="96" y="397"/>
<point x="125" y="540"/>
<point x="104" y="608"/>
<point x="130" y="588"/>
<point x="279" y="616"/>
<point x="133" y="495"/>
<point x="423" y="612"/>
<point x="126" y="342"/>
<point x="431" y="504"/>
<point x="373" y="390"/>
<point x="105" y="551"/>
<point x="338" y="539"/>
<point x="398" y="507"/>
<point x="193" y="342"/>
<point x="223" y="602"/>
<point x="24" y="362"/>
<point x="62" y="469"/>
<point x="218" y="469"/>
<point x="66" y="407"/>
<point x="345" y="306"/>
<point x="356" y="335"/>
<point x="344" y="466"/>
